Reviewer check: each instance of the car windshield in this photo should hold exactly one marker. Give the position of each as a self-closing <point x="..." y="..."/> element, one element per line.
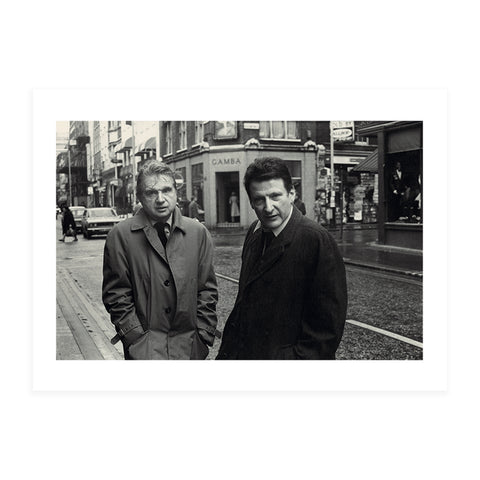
<point x="103" y="212"/>
<point x="77" y="211"/>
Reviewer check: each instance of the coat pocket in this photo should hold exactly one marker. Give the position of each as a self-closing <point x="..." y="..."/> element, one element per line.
<point x="140" y="350"/>
<point x="199" y="349"/>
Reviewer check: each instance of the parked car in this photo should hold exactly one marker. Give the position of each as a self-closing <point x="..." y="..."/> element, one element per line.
<point x="98" y="221"/>
<point x="77" y="212"/>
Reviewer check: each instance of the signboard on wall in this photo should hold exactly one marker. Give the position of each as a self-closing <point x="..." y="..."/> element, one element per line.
<point x="225" y="129"/>
<point x="342" y="131"/>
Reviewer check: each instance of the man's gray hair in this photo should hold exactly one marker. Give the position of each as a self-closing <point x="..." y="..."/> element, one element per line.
<point x="153" y="167"/>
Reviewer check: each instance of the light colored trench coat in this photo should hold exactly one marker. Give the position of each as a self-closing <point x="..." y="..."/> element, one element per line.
<point x="164" y="298"/>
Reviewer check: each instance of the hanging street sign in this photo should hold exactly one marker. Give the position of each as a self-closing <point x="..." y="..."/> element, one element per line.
<point x="342" y="130"/>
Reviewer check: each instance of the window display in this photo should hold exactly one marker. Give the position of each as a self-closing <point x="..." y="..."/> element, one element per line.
<point x="404" y="187"/>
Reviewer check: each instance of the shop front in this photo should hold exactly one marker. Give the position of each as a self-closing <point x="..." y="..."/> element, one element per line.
<point x="356" y="192"/>
<point x="215" y="178"/>
<point x="400" y="161"/>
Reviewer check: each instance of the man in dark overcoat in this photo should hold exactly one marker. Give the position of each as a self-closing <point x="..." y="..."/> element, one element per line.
<point x="292" y="297"/>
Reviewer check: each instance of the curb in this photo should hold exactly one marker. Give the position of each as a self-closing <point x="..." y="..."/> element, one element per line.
<point x="383" y="268"/>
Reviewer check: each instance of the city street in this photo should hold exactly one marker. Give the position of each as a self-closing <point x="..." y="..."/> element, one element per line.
<point x="384" y="318"/>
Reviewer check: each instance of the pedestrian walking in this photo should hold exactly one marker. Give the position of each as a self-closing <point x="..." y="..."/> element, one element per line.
<point x="299" y="204"/>
<point x="159" y="285"/>
<point x="68" y="224"/>
<point x="292" y="296"/>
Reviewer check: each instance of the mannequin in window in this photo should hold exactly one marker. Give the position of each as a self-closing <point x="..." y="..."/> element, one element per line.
<point x="396" y="186"/>
<point x="234" y="209"/>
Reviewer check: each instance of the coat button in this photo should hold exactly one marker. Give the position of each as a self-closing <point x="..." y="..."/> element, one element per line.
<point x="168" y="310"/>
<point x="166" y="283"/>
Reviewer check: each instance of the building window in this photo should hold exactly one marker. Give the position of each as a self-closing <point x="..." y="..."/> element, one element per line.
<point x="168" y="137"/>
<point x="183" y="135"/>
<point x="197" y="183"/>
<point x="182" y="199"/>
<point x="199" y="131"/>
<point x="279" y="130"/>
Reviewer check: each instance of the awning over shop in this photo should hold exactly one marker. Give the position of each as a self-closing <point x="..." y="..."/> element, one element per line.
<point x="124" y="146"/>
<point x="145" y="147"/>
<point x="369" y="164"/>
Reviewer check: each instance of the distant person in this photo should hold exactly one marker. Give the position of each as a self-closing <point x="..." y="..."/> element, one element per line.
<point x="159" y="285"/>
<point x="292" y="296"/>
<point x="299" y="204"/>
<point x="194" y="209"/>
<point x="234" y="209"/>
<point x="317" y="209"/>
<point x="68" y="224"/>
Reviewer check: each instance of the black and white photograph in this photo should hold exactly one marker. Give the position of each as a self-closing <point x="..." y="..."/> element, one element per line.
<point x="283" y="241"/>
<point x="342" y="277"/>
<point x="296" y="285"/>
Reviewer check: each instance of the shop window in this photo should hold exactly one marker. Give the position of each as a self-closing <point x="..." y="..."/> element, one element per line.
<point x="295" y="168"/>
<point x="197" y="183"/>
<point x="403" y="187"/>
<point x="182" y="199"/>
<point x="279" y="130"/>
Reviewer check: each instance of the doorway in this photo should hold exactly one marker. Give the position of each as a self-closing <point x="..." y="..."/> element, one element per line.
<point x="228" y="198"/>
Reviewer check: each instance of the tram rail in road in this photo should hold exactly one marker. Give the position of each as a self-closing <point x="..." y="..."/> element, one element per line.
<point x="366" y="326"/>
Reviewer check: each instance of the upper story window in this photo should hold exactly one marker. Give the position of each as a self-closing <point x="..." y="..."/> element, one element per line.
<point x="183" y="135"/>
<point x="281" y="130"/>
<point x="199" y="131"/>
<point x="168" y="137"/>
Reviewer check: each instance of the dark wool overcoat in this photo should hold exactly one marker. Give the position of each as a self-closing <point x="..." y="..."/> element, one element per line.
<point x="164" y="299"/>
<point x="292" y="301"/>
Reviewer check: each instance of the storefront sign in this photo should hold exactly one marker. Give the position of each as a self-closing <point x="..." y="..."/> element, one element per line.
<point x="251" y="126"/>
<point x="342" y="130"/>
<point x="226" y="161"/>
<point x="225" y="129"/>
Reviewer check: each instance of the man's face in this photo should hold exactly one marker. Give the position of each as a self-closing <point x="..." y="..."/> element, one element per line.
<point x="271" y="201"/>
<point x="159" y="197"/>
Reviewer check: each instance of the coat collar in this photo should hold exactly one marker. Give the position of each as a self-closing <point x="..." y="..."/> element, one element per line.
<point x="257" y="268"/>
<point x="141" y="221"/>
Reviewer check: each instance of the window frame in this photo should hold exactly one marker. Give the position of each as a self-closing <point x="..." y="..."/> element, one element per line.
<point x="285" y="129"/>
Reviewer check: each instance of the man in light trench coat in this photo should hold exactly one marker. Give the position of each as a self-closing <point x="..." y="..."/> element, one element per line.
<point x="159" y="285"/>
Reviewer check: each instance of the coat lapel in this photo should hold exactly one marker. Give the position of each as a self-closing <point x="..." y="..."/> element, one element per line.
<point x="276" y="250"/>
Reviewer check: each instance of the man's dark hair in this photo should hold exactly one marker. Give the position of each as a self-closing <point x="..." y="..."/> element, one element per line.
<point x="153" y="167"/>
<point x="267" y="168"/>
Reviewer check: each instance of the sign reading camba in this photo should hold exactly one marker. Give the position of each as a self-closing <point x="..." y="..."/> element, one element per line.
<point x="342" y="130"/>
<point x="226" y="161"/>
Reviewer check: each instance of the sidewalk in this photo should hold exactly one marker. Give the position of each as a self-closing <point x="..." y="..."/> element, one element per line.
<point x="358" y="247"/>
